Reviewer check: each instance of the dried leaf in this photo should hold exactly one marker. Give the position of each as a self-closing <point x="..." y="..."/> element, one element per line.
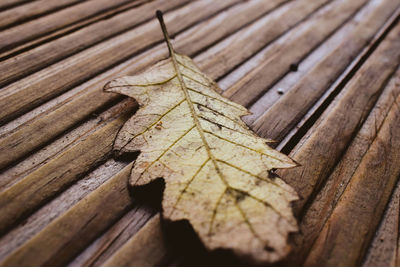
<point x="216" y="170"/>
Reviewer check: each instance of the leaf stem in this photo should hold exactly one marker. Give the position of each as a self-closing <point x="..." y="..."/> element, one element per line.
<point x="160" y="18"/>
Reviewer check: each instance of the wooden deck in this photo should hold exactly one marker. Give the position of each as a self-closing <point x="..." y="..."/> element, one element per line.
<point x="321" y="77"/>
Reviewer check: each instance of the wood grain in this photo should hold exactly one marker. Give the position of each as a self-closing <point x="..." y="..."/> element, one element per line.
<point x="85" y="104"/>
<point x="44" y="183"/>
<point x="383" y="249"/>
<point x="82" y="223"/>
<point x="60" y="77"/>
<point x="68" y="29"/>
<point x="341" y="111"/>
<point x="59" y="161"/>
<point x="343" y="240"/>
<point x="277" y="62"/>
<point x="55" y="79"/>
<point x="36" y="28"/>
<point x="238" y="47"/>
<point x="334" y="133"/>
<point x="320" y="209"/>
<point x="290" y="108"/>
<point x="149" y="251"/>
<point x="31" y="10"/>
<point x="46" y="54"/>
<point x="10" y="3"/>
<point x="116" y="237"/>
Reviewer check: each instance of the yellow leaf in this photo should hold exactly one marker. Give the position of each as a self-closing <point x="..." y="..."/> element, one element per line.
<point x="216" y="169"/>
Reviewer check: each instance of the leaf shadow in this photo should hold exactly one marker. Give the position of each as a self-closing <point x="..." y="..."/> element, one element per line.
<point x="149" y="195"/>
<point x="184" y="247"/>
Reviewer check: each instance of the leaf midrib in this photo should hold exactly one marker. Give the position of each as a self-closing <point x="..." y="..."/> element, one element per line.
<point x="197" y="122"/>
<point x="204" y="140"/>
<point x="194" y="114"/>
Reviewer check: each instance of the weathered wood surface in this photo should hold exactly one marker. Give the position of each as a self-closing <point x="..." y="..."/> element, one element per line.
<point x="31" y="10"/>
<point x="322" y="78"/>
<point x="11" y="3"/>
<point x="47" y="24"/>
<point x="143" y="245"/>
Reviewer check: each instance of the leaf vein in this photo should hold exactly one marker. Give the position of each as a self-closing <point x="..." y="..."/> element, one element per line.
<point x="226" y="127"/>
<point x="246" y="220"/>
<point x="215" y="98"/>
<point x="190" y="78"/>
<point x="232" y="142"/>
<point x="188" y="184"/>
<point x="193" y="70"/>
<point x="149" y="84"/>
<point x="215" y="210"/>
<point x="262" y="202"/>
<point x="254" y="175"/>
<point x="221" y="114"/>
<point x="169" y="147"/>
<point x="154" y="123"/>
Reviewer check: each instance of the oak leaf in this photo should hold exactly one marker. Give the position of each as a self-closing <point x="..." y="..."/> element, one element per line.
<point x="216" y="170"/>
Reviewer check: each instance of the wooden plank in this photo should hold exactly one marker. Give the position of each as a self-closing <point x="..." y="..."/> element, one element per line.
<point x="76" y="120"/>
<point x="344" y="240"/>
<point x="64" y="113"/>
<point x="111" y="241"/>
<point x="41" y="218"/>
<point x="383" y="248"/>
<point x="94" y="98"/>
<point x="59" y="242"/>
<point x="44" y="183"/>
<point x="52" y="81"/>
<point x="337" y="128"/>
<point x="59" y="33"/>
<point x="206" y="34"/>
<point x="238" y="48"/>
<point x="290" y="80"/>
<point x="19" y="143"/>
<point x="376" y="57"/>
<point x="41" y="26"/>
<point x="49" y="53"/>
<point x="289" y="109"/>
<point x="349" y="110"/>
<point x="31" y="10"/>
<point x="397" y="259"/>
<point x="320" y="209"/>
<point x="11" y="3"/>
<point x="279" y="58"/>
<point x="64" y="140"/>
<point x="47" y="168"/>
<point x="142" y="249"/>
<point x="155" y="258"/>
